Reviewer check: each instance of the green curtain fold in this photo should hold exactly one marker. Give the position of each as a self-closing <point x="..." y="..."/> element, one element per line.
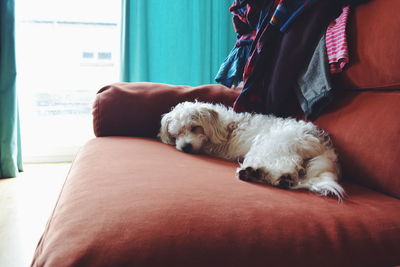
<point x="175" y="41"/>
<point x="10" y="141"/>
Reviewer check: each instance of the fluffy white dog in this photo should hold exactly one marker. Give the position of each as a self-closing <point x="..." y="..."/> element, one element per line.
<point x="281" y="152"/>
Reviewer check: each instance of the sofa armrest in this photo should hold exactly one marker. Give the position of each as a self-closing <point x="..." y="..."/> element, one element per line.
<point x="135" y="109"/>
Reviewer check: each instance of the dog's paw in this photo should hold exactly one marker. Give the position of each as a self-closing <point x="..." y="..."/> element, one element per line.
<point x="285" y="181"/>
<point x="248" y="174"/>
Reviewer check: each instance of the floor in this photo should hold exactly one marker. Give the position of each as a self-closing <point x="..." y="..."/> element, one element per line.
<point x="26" y="203"/>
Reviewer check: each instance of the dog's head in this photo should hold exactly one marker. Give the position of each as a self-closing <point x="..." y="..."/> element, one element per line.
<point x="190" y="125"/>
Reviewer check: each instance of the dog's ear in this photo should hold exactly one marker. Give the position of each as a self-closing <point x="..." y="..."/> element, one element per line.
<point x="164" y="135"/>
<point x="213" y="126"/>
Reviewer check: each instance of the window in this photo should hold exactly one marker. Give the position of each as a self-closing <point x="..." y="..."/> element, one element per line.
<point x="66" y="51"/>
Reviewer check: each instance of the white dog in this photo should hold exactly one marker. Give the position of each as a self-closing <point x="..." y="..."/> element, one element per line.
<point x="281" y="152"/>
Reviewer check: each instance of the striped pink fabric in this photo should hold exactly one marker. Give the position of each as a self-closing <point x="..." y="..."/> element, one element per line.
<point x="336" y="42"/>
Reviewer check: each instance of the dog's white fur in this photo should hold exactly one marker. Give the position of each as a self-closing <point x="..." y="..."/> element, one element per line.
<point x="281" y="152"/>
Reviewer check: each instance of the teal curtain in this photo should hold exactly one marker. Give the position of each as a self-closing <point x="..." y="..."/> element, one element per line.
<point x="175" y="41"/>
<point x="10" y="142"/>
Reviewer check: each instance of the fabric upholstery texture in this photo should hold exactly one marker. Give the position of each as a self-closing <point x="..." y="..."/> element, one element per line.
<point x="353" y="123"/>
<point x="365" y="128"/>
<point x="133" y="214"/>
<point x="374" y="47"/>
<point x="140" y="105"/>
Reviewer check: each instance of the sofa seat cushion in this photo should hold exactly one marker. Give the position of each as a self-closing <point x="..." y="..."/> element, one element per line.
<point x="137" y="202"/>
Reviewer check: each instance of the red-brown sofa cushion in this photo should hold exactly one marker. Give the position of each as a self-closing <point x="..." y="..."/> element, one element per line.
<point x="365" y="128"/>
<point x="137" y="202"/>
<point x="374" y="43"/>
<point x="135" y="109"/>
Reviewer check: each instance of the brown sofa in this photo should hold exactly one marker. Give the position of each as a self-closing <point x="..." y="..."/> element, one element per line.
<point x="130" y="200"/>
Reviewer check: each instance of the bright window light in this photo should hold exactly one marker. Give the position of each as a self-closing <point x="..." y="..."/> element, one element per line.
<point x="66" y="51"/>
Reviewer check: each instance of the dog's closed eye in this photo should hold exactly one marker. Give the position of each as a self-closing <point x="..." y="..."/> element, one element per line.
<point x="197" y="130"/>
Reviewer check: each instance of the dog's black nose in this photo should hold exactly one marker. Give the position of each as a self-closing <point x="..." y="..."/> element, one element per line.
<point x="187" y="148"/>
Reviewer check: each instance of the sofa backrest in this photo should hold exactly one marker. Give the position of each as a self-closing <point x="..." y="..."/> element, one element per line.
<point x="374" y="46"/>
<point x="364" y="120"/>
<point x="365" y="129"/>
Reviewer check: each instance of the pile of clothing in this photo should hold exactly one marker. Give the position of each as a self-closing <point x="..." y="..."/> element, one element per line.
<point x="286" y="51"/>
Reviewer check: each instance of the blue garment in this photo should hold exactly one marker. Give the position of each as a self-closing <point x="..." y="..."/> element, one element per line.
<point x="231" y="71"/>
<point x="287" y="11"/>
